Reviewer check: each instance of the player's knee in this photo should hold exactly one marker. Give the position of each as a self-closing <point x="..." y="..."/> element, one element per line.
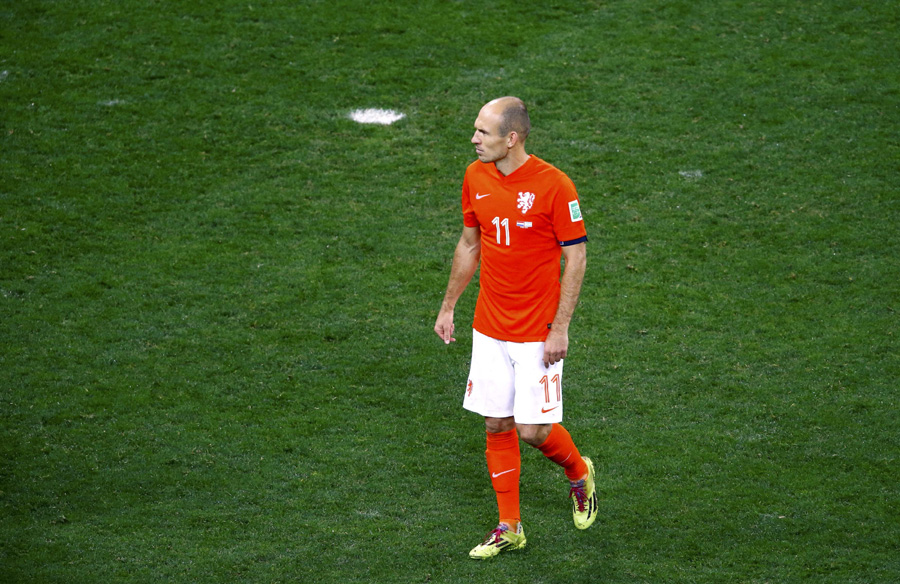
<point x="497" y="425"/>
<point x="534" y="434"/>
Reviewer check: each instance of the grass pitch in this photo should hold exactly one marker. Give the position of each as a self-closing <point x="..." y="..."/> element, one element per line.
<point x="217" y="290"/>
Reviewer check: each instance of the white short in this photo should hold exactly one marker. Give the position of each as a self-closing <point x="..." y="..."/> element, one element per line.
<point x="509" y="379"/>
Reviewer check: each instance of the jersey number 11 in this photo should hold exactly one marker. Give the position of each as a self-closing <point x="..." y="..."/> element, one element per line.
<point x="505" y="223"/>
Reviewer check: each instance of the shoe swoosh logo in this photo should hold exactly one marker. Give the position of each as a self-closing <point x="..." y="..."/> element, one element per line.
<point x="497" y="474"/>
<point x="480" y="196"/>
<point x="544" y="410"/>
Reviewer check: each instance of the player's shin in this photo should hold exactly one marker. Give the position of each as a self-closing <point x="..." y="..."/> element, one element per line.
<point x="560" y="448"/>
<point x="504" y="465"/>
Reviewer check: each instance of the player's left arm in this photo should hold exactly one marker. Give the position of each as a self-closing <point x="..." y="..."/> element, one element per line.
<point x="557" y="343"/>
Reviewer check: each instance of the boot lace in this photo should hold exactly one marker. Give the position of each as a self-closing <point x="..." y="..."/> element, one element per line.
<point x="579" y="493"/>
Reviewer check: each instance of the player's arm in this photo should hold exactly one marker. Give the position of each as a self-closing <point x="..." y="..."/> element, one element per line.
<point x="557" y="344"/>
<point x="465" y="262"/>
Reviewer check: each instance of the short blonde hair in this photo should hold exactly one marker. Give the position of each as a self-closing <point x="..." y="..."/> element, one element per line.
<point x="514" y="118"/>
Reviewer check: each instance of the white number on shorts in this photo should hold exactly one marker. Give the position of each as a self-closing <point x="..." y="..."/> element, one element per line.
<point x="546" y="383"/>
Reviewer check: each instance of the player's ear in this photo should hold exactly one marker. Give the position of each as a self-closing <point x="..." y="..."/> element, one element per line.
<point x="513" y="139"/>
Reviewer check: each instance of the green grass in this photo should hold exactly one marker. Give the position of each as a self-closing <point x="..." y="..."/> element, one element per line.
<point x="217" y="291"/>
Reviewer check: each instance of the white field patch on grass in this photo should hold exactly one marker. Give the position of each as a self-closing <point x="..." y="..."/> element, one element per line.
<point x="376" y="116"/>
<point x="691" y="174"/>
<point x="112" y="102"/>
<point x="3" y="76"/>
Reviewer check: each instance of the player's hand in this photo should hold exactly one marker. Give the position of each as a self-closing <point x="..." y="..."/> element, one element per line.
<point x="555" y="346"/>
<point x="444" y="327"/>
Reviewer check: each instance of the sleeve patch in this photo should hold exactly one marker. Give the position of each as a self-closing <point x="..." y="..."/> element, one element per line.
<point x="574" y="211"/>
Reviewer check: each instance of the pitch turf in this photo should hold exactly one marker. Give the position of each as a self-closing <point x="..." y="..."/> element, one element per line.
<point x="217" y="290"/>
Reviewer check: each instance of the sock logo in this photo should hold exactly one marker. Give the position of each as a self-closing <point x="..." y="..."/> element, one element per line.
<point x="497" y="474"/>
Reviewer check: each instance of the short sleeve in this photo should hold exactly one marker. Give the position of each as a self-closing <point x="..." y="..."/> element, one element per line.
<point x="568" y="222"/>
<point x="469" y="218"/>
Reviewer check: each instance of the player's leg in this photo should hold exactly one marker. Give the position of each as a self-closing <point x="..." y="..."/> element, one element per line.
<point x="538" y="412"/>
<point x="504" y="465"/>
<point x="559" y="447"/>
<point x="539" y="408"/>
<point x="490" y="392"/>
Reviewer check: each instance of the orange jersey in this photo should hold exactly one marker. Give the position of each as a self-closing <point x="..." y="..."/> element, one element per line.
<point x="525" y="219"/>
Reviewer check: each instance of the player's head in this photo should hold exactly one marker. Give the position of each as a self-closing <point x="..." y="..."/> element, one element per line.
<point x="514" y="117"/>
<point x="502" y="125"/>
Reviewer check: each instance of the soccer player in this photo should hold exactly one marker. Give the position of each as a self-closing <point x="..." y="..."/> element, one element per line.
<point x="520" y="215"/>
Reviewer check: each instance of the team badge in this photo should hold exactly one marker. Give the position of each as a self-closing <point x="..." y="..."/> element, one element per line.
<point x="574" y="211"/>
<point x="526" y="200"/>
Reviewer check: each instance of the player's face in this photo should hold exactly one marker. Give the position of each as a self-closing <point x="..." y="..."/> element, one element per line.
<point x="490" y="146"/>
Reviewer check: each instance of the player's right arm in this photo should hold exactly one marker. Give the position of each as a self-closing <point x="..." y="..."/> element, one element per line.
<point x="465" y="262"/>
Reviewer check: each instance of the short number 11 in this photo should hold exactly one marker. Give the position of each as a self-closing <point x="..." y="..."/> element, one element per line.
<point x="546" y="384"/>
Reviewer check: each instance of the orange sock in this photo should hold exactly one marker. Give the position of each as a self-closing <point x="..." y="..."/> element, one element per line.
<point x="560" y="448"/>
<point x="504" y="464"/>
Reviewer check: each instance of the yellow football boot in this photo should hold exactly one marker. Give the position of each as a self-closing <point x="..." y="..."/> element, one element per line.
<point x="584" y="498"/>
<point x="499" y="540"/>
